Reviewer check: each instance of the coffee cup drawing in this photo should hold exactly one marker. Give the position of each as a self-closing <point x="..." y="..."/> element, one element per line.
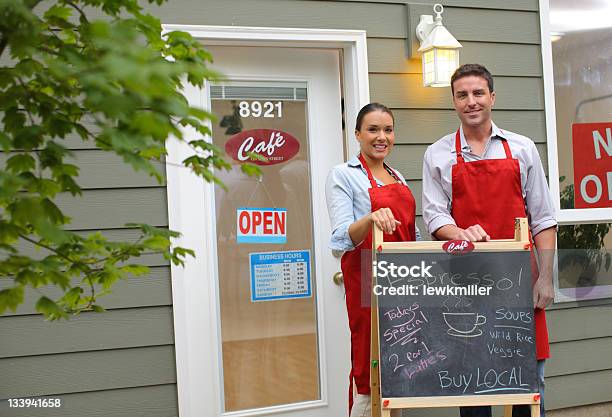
<point x="464" y="324"/>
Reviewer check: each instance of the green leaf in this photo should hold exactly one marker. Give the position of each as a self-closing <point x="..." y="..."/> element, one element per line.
<point x="50" y="309"/>
<point x="158" y="243"/>
<point x="251" y="170"/>
<point x="59" y="12"/>
<point x="109" y="79"/>
<point x="5" y="142"/>
<point x="52" y="212"/>
<point x="9" y="233"/>
<point x="72" y="297"/>
<point x="135" y="269"/>
<point x="10" y="298"/>
<point x="20" y="163"/>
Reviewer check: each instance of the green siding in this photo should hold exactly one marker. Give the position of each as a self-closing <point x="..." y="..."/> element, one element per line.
<point x="145" y="291"/>
<point x="116" y="329"/>
<point x="529" y="5"/>
<point x="101" y="169"/>
<point x="114" y="207"/>
<point x="416" y="126"/>
<point x="148" y="401"/>
<point x="570" y="324"/>
<point x="121" y="363"/>
<point x="383" y="21"/>
<point x="30" y="376"/>
<point x="579" y="389"/>
<point x="407" y="91"/>
<point x="579" y="356"/>
<point x="389" y="55"/>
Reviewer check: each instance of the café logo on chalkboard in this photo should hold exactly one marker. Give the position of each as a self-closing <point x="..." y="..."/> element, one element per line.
<point x="274" y="145"/>
<point x="458" y="247"/>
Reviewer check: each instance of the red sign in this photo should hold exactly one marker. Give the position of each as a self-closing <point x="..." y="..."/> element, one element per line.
<point x="458" y="247"/>
<point x="592" y="143"/>
<point x="261" y="225"/>
<point x="274" y="145"/>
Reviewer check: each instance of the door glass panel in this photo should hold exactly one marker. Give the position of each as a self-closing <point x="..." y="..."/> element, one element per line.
<point x="265" y="247"/>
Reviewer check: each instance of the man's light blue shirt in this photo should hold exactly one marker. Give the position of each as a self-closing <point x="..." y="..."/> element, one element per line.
<point x="348" y="200"/>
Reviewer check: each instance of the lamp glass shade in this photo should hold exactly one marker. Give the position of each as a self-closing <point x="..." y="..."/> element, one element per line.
<point x="438" y="66"/>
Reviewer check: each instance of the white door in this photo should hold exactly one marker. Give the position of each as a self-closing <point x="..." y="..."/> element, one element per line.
<point x="276" y="332"/>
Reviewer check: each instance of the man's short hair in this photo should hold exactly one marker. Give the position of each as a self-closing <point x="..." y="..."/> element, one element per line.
<point x="466" y="70"/>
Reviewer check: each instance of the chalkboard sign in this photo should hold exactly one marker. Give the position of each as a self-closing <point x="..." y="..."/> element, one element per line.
<point x="454" y="325"/>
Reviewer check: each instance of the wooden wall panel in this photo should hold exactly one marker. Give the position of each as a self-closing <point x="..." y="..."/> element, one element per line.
<point x="148" y="401"/>
<point x="390" y="56"/>
<point x="33" y="376"/>
<point x="115" y="329"/>
<point x="407" y="91"/>
<point x="425" y="126"/>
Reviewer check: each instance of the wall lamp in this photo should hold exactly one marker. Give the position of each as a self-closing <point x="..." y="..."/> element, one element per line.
<point x="440" y="49"/>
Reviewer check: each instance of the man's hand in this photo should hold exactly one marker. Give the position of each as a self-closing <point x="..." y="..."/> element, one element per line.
<point x="384" y="219"/>
<point x="473" y="233"/>
<point x="543" y="292"/>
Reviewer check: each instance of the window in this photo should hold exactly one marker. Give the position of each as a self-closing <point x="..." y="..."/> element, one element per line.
<point x="577" y="59"/>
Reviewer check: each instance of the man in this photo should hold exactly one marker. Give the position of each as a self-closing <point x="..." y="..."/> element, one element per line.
<point x="477" y="180"/>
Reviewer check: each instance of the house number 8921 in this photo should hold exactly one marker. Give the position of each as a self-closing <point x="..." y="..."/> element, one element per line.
<point x="259" y="109"/>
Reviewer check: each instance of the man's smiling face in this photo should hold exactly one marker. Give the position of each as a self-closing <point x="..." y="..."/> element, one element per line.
<point x="473" y="101"/>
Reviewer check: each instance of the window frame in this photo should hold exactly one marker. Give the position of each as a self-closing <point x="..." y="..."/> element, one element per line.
<point x="563" y="216"/>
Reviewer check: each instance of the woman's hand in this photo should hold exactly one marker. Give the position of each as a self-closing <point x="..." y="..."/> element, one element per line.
<point x="383" y="218"/>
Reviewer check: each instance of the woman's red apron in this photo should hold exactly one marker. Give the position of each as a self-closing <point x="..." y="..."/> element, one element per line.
<point x="399" y="199"/>
<point x="488" y="192"/>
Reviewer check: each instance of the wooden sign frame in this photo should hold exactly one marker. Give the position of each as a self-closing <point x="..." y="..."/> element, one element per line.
<point x="381" y="407"/>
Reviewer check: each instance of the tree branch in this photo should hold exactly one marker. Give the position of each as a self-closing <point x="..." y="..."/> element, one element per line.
<point x="78" y="9"/>
<point x="52" y="249"/>
<point x="3" y="44"/>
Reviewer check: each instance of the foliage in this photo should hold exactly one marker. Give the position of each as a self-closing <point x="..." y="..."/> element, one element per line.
<point x="114" y="82"/>
<point x="581" y="244"/>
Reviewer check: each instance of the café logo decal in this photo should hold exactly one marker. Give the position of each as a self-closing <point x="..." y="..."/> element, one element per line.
<point x="458" y="247"/>
<point x="274" y="145"/>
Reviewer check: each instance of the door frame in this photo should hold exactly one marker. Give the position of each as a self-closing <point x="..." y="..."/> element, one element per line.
<point x="192" y="285"/>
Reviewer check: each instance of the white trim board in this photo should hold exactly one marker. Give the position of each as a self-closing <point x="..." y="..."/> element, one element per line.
<point x="352" y="43"/>
<point x="192" y="287"/>
<point x="566" y="216"/>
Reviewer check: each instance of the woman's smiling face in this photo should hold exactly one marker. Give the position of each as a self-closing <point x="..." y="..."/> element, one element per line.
<point x="376" y="135"/>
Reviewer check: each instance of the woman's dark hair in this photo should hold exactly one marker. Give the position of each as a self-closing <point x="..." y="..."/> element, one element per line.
<point x="369" y="108"/>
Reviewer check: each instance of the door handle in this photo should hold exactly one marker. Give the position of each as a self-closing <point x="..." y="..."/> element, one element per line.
<point x="338" y="278"/>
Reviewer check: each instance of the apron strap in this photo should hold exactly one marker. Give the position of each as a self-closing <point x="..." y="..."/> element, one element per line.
<point x="365" y="166"/>
<point x="507" y="149"/>
<point x="393" y="173"/>
<point x="458" y="147"/>
<point x="373" y="182"/>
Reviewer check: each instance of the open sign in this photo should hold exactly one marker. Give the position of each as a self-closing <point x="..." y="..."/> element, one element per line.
<point x="261" y="225"/>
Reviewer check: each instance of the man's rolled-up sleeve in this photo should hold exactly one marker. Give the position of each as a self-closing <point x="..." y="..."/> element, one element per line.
<point x="436" y="203"/>
<point x="537" y="196"/>
<point x="339" y="197"/>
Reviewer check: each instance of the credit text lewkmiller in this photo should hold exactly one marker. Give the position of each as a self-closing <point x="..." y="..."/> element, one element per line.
<point x="386" y="269"/>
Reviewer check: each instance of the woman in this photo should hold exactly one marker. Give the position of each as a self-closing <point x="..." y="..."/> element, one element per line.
<point x="362" y="192"/>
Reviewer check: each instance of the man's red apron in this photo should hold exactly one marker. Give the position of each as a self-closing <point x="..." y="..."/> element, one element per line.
<point x="399" y="199"/>
<point x="488" y="192"/>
